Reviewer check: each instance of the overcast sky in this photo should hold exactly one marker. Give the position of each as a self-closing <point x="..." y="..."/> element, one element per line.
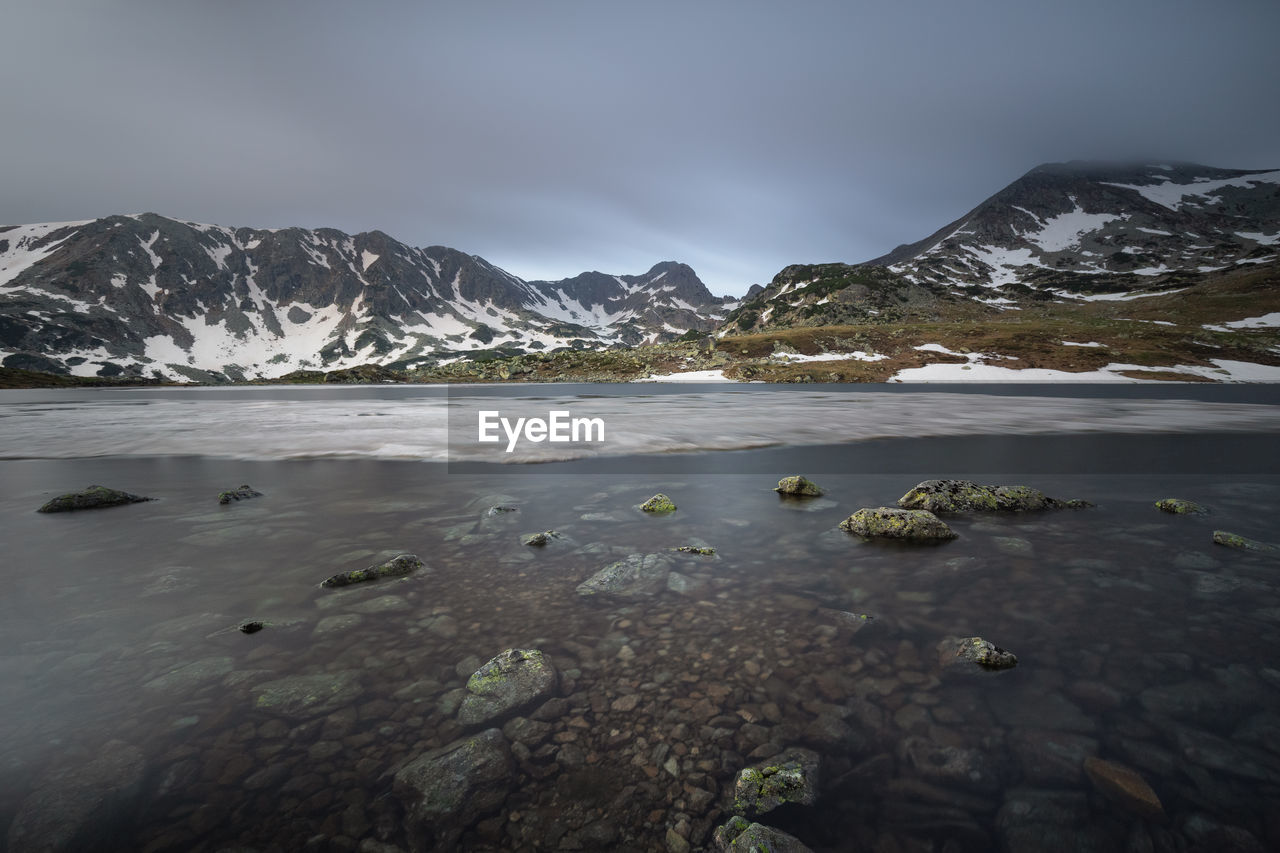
<point x="556" y="137"/>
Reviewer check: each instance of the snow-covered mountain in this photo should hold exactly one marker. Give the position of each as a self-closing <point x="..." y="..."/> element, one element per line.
<point x="1080" y="230"/>
<point x="147" y="295"/>
<point x="1064" y="232"/>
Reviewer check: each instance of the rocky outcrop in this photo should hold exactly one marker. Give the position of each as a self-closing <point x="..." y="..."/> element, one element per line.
<point x="967" y="496"/>
<point x="513" y="681"/>
<point x="799" y="487"/>
<point x="890" y="523"/>
<point x="446" y="790"/>
<point x="94" y="497"/>
<point x="80" y="808"/>
<point x="405" y="564"/>
<point x="637" y="575"/>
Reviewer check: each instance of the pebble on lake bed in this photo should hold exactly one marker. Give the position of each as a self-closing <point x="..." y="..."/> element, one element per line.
<point x="94" y="497"/>
<point x="799" y="487"/>
<point x="658" y="503"/>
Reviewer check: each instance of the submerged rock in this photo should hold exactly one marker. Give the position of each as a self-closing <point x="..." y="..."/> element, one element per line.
<point x="967" y="496"/>
<point x="658" y="503"/>
<point x="539" y="539"/>
<point x="304" y="696"/>
<point x="513" y="681"/>
<point x="448" y="789"/>
<point x="637" y="575"/>
<point x="792" y="776"/>
<point x="1178" y="506"/>
<point x="405" y="564"/>
<point x="241" y="494"/>
<point x="81" y="808"/>
<point x="740" y="835"/>
<point x="891" y="523"/>
<point x="1243" y="543"/>
<point x="94" y="497"/>
<point x="985" y="654"/>
<point x="1124" y="787"/>
<point x="798" y="486"/>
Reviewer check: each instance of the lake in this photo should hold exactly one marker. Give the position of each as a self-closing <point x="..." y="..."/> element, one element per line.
<point x="134" y="714"/>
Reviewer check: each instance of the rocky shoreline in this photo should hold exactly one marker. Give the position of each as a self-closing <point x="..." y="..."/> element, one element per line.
<point x="687" y="724"/>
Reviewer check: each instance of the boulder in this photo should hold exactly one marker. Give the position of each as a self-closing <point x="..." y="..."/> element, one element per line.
<point x="1243" y="543"/>
<point x="94" y="497"/>
<point x="241" y="494"/>
<point x="984" y="653"/>
<point x="81" y="808"/>
<point x="740" y="835"/>
<point x="539" y="539"/>
<point x="1178" y="506"/>
<point x="791" y="776"/>
<point x="306" y="696"/>
<point x="799" y="487"/>
<point x="658" y="503"/>
<point x="513" y="681"/>
<point x="636" y="575"/>
<point x="967" y="496"/>
<point x="446" y="790"/>
<point x="400" y="566"/>
<point x="891" y="523"/>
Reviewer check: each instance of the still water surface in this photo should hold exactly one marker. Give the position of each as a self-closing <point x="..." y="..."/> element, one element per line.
<point x="1140" y="642"/>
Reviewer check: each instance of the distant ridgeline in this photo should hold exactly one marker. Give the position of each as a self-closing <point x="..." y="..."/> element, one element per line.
<point x="152" y="297"/>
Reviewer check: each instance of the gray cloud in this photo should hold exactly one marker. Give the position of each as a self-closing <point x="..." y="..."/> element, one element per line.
<point x="555" y="137"/>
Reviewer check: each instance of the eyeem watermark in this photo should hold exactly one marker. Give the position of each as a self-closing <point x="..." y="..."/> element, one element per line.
<point x="559" y="426"/>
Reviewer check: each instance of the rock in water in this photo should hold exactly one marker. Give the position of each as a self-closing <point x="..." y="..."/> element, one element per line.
<point x="799" y="486"/>
<point x="448" y="789"/>
<point x="80" y="809"/>
<point x="966" y="496"/>
<point x="1124" y="787"/>
<point x="1178" y="506"/>
<point x="1235" y="540"/>
<point x="405" y="564"/>
<point x="306" y="696"/>
<point x="985" y="654"/>
<point x="241" y="494"/>
<point x="890" y="523"/>
<point x="637" y="575"/>
<point x="658" y="503"/>
<point x="94" y="497"/>
<point x="740" y="835"/>
<point x="789" y="777"/>
<point x="539" y="539"/>
<point x="512" y="681"/>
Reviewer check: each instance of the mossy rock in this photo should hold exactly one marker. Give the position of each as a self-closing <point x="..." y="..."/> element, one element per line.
<point x="538" y="540"/>
<point x="798" y="486"/>
<point x="739" y="835"/>
<point x="892" y="523"/>
<point x="985" y="654"/>
<point x="1178" y="506"/>
<point x="405" y="564"/>
<point x="792" y="776"/>
<point x="635" y="576"/>
<point x="967" y="496"/>
<point x="659" y="503"/>
<point x="509" y="683"/>
<point x="243" y="493"/>
<point x="446" y="790"/>
<point x="94" y="497"/>
<point x="694" y="549"/>
<point x="1243" y="543"/>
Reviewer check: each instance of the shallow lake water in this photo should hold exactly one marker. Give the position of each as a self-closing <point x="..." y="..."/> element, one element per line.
<point x="133" y="710"/>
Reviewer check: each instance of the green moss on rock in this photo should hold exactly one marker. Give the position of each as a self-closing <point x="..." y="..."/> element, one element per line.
<point x="985" y="654"/>
<point x="94" y="497"/>
<point x="1235" y="540"/>
<point x="659" y="503"/>
<point x="799" y="487"/>
<point x="893" y="523"/>
<point x="790" y="777"/>
<point x="967" y="496"/>
<point x="400" y="566"/>
<point x="1178" y="506"/>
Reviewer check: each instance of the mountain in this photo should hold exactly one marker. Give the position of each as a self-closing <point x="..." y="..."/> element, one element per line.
<point x="150" y="296"/>
<point x="1064" y="232"/>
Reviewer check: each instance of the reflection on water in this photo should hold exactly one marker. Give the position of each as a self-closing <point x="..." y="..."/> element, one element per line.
<point x="129" y="702"/>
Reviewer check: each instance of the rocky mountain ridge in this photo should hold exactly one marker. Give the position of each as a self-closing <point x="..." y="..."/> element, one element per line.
<point x="150" y="296"/>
